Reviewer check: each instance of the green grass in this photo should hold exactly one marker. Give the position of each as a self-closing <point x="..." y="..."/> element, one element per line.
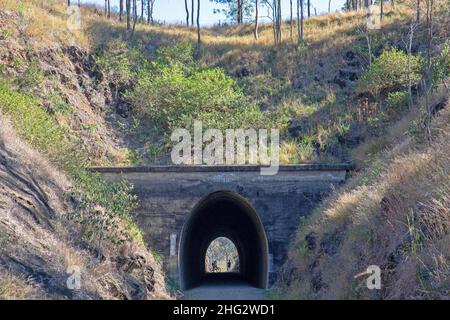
<point x="38" y="128"/>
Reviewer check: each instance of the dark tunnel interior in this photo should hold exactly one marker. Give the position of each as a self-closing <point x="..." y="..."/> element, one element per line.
<point x="223" y="214"/>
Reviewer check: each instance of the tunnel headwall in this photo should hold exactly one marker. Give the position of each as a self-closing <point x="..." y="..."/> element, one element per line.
<point x="170" y="195"/>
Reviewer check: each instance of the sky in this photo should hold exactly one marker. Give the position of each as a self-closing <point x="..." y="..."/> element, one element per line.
<point x="172" y="11"/>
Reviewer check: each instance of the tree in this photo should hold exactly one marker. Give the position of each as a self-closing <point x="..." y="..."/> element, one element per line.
<point x="256" y="19"/>
<point x="291" y="22"/>
<point x="277" y="20"/>
<point x="329" y="6"/>
<point x="135" y="16"/>
<point x="381" y="9"/>
<point x="427" y="81"/>
<point x="300" y="22"/>
<point x="150" y="6"/>
<point x="418" y="11"/>
<point x="408" y="46"/>
<point x="128" y="7"/>
<point x="120" y="10"/>
<point x="198" y="27"/>
<point x="236" y="10"/>
<point x="309" y="8"/>
<point x="192" y="12"/>
<point x="68" y="2"/>
<point x="240" y="15"/>
<point x="187" y="12"/>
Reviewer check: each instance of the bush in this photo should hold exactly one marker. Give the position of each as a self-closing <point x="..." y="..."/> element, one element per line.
<point x="173" y="91"/>
<point x="397" y="99"/>
<point x="389" y="72"/>
<point x="119" y="62"/>
<point x="32" y="77"/>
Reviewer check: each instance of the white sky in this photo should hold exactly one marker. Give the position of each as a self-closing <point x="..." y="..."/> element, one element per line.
<point x="172" y="11"/>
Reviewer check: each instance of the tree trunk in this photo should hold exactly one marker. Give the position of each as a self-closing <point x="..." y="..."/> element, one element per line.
<point x="120" y="10"/>
<point x="277" y="21"/>
<point x="428" y="80"/>
<point x="280" y="21"/>
<point x="151" y="12"/>
<point x="409" y="50"/>
<point x="381" y="10"/>
<point x="142" y="10"/>
<point x="329" y="6"/>
<point x="309" y="8"/>
<point x="109" y="9"/>
<point x="187" y="11"/>
<point x="291" y="23"/>
<point x="301" y="17"/>
<point x="192" y="14"/>
<point x="150" y="5"/>
<point x="256" y="19"/>
<point x="128" y="5"/>
<point x="134" y="15"/>
<point x="418" y="11"/>
<point x="68" y="2"/>
<point x="198" y="27"/>
<point x="239" y="12"/>
<point x="300" y="23"/>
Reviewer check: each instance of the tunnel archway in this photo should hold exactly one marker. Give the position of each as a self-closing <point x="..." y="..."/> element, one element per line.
<point x="223" y="214"/>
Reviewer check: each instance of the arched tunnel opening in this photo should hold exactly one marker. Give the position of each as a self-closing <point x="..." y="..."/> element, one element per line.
<point x="228" y="215"/>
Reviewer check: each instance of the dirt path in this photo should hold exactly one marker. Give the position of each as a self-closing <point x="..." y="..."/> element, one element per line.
<point x="225" y="287"/>
<point x="223" y="292"/>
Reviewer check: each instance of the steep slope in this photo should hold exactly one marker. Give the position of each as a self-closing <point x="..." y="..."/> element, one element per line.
<point x="394" y="214"/>
<point x="51" y="210"/>
<point x="39" y="245"/>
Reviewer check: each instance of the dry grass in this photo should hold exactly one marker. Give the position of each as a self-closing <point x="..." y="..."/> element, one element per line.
<point x="15" y="288"/>
<point x="396" y="214"/>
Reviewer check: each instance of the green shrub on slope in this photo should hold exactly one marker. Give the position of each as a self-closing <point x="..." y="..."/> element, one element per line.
<point x="389" y="72"/>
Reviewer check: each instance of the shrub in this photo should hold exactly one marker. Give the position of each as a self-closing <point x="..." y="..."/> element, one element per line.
<point x="441" y="65"/>
<point x="397" y="99"/>
<point x="173" y="91"/>
<point x="32" y="77"/>
<point x="119" y="62"/>
<point x="389" y="72"/>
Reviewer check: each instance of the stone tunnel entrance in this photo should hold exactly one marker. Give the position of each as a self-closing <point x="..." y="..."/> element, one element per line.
<point x="223" y="214"/>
